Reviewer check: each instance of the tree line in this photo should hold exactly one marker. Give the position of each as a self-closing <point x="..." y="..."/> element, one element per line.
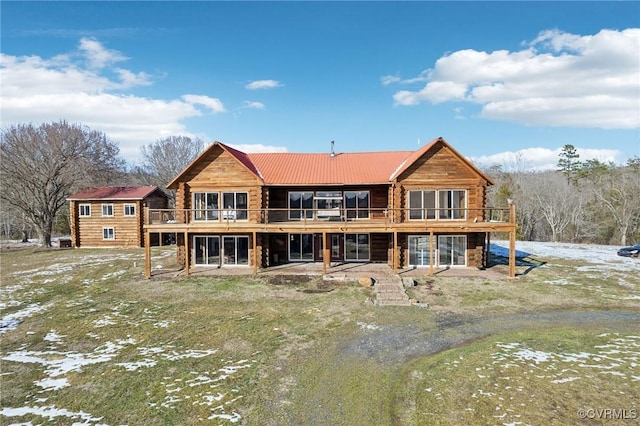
<point x="580" y="201"/>
<point x="40" y="166"/>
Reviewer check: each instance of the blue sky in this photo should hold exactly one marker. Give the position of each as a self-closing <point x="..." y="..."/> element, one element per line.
<point x="505" y="83"/>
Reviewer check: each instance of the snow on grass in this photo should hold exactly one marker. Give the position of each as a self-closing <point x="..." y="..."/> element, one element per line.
<point x="11" y="321"/>
<point x="365" y="326"/>
<point x="50" y="412"/>
<point x="604" y="256"/>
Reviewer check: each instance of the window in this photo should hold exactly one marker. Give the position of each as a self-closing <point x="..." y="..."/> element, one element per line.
<point x="300" y="246"/>
<point x="129" y="209"/>
<point x="108" y="234"/>
<point x="452" y="250"/>
<point x="356" y="246"/>
<point x="236" y="250"/>
<point x="442" y="204"/>
<point x="329" y="204"/>
<point x="300" y="205"/>
<point x="419" y="246"/>
<point x="84" y="210"/>
<point x="107" y="210"/>
<point x="207" y="250"/>
<point x="452" y="204"/>
<point x="206" y="206"/>
<point x="235" y="205"/>
<point x="357" y="204"/>
<point x="422" y="205"/>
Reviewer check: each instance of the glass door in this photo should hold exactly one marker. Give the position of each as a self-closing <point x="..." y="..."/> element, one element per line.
<point x="419" y="250"/>
<point x="301" y="247"/>
<point x="452" y="250"/>
<point x="207" y="250"/>
<point x="235" y="250"/>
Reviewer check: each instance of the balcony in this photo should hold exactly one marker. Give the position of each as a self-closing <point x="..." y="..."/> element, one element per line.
<point x="291" y="220"/>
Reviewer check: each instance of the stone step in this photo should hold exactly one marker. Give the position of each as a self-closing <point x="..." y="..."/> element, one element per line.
<point x="393" y="303"/>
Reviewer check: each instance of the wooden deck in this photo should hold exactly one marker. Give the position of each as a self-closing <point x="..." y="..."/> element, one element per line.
<point x="391" y="222"/>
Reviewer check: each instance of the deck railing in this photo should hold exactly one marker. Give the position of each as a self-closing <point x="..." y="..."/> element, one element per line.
<point x="306" y="216"/>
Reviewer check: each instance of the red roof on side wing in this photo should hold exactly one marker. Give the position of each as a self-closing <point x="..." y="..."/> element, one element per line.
<point x="324" y="169"/>
<point x="114" y="193"/>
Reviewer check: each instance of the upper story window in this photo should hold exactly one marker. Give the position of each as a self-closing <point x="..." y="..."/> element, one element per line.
<point x="300" y="205"/>
<point x="107" y="210"/>
<point x="235" y="205"/>
<point x="442" y="204"/>
<point x="329" y="204"/>
<point x="357" y="204"/>
<point x="84" y="210"/>
<point x="206" y="206"/>
<point x="129" y="209"/>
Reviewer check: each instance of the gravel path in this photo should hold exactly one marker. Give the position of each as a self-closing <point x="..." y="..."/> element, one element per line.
<point x="391" y="344"/>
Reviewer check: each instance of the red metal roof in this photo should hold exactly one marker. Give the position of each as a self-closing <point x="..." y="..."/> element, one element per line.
<point x="114" y="193"/>
<point x="324" y="169"/>
<point x="354" y="168"/>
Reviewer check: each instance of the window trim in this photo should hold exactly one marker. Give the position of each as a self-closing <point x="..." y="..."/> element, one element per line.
<point x="107" y="205"/>
<point x="440" y="212"/>
<point x="357" y="209"/>
<point x="105" y="236"/>
<point x="210" y="215"/>
<point x="80" y="208"/>
<point x="300" y="210"/>
<point x="357" y="258"/>
<point x="231" y="213"/>
<point x="124" y="210"/>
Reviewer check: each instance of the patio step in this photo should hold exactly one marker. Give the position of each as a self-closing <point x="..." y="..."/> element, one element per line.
<point x="390" y="292"/>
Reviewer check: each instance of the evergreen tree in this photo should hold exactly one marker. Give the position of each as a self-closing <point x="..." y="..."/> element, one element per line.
<point x="569" y="163"/>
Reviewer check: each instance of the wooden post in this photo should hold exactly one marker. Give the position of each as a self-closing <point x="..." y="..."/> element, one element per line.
<point x="395" y="252"/>
<point x="187" y="261"/>
<point x="325" y="253"/>
<point x="255" y="254"/>
<point x="431" y="259"/>
<point x="488" y="250"/>
<point x="512" y="241"/>
<point x="147" y="255"/>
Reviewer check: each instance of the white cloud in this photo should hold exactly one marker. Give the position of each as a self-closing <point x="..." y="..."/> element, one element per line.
<point x="253" y="105"/>
<point x="81" y="86"/>
<point x="559" y="79"/>
<point x="96" y="55"/>
<point x="263" y="84"/>
<point x="214" y="104"/>
<point x="536" y="159"/>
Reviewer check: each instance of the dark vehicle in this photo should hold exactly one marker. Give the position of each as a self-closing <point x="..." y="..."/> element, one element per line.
<point x="633" y="251"/>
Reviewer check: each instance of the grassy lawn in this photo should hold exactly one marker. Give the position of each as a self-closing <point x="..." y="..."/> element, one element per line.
<point x="95" y="343"/>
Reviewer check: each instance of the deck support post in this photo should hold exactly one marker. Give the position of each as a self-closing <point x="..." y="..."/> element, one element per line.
<point x="431" y="259"/>
<point x="187" y="261"/>
<point x="147" y="255"/>
<point x="255" y="254"/>
<point x="325" y="253"/>
<point x="396" y="261"/>
<point x="488" y="250"/>
<point x="512" y="241"/>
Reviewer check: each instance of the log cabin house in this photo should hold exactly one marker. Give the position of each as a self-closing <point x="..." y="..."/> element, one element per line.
<point x="409" y="209"/>
<point x="112" y="216"/>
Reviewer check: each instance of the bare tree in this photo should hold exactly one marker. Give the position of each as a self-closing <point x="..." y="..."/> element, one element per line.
<point x="557" y="201"/>
<point x="41" y="166"/>
<point x="165" y="158"/>
<point x="617" y="189"/>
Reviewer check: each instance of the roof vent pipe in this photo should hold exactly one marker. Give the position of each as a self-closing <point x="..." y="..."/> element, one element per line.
<point x="333" y="154"/>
